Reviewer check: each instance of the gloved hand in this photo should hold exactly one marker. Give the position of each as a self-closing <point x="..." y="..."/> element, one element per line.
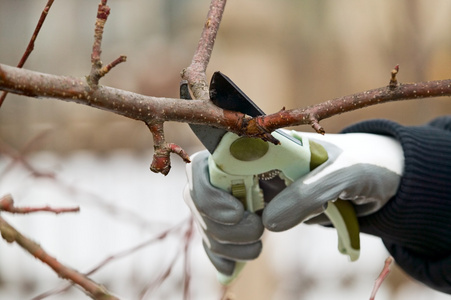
<point x="229" y="232"/>
<point x="363" y="168"/>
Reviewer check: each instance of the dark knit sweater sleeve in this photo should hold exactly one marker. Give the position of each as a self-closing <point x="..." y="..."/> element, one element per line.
<point x="415" y="225"/>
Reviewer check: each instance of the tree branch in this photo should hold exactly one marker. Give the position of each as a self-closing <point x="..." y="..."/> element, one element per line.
<point x="156" y="109"/>
<point x="96" y="291"/>
<point x="97" y="68"/>
<point x="313" y="114"/>
<point x="195" y="73"/>
<point x="380" y="279"/>
<point x="20" y="157"/>
<point x="131" y="105"/>
<point x="124" y="253"/>
<point x="30" y="46"/>
<point x="161" y="159"/>
<point x="7" y="204"/>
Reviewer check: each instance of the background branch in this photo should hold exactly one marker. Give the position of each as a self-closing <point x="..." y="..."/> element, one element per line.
<point x="30" y="46"/>
<point x="380" y="279"/>
<point x="7" y="204"/>
<point x="11" y="235"/>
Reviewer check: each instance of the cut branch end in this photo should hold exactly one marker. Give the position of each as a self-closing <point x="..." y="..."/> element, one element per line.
<point x="161" y="162"/>
<point x="317" y="127"/>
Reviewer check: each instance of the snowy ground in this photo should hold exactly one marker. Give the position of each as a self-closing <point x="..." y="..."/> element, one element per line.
<point x="123" y="205"/>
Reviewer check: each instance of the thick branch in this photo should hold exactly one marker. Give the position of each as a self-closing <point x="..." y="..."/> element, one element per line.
<point x="155" y="109"/>
<point x="128" y="104"/>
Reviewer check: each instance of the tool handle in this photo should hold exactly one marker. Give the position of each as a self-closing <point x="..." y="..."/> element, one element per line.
<point x="234" y="169"/>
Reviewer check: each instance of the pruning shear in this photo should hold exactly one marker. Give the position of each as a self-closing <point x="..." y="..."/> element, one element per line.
<point x="240" y="165"/>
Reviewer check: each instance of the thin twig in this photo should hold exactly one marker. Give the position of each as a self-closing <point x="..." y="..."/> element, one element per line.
<point x="384" y="273"/>
<point x="152" y="285"/>
<point x="187" y="262"/>
<point x="95" y="290"/>
<point x="7" y="204"/>
<point x="115" y="257"/>
<point x="97" y="69"/>
<point x="30" y="46"/>
<point x="20" y="157"/>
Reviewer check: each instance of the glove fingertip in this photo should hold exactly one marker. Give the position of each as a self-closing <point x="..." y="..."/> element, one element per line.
<point x="222" y="265"/>
<point x="276" y="219"/>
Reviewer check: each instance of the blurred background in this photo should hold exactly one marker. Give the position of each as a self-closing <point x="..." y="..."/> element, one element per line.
<point x="281" y="53"/>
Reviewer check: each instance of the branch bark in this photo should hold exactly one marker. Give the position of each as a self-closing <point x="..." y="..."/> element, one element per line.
<point x="157" y="109"/>
<point x="313" y="114"/>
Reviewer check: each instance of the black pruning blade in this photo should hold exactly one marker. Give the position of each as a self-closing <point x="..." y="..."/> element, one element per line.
<point x="226" y="95"/>
<point x="208" y="135"/>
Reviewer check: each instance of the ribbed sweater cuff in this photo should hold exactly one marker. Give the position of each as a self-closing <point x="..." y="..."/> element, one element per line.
<point x="415" y="224"/>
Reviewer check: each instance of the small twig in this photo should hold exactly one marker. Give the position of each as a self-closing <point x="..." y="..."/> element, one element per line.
<point x="20" y="157"/>
<point x="187" y="264"/>
<point x="93" y="289"/>
<point x="7" y="204"/>
<point x="165" y="274"/>
<point x="384" y="273"/>
<point x="393" y="81"/>
<point x="30" y="46"/>
<point x="97" y="69"/>
<point x="157" y="282"/>
<point x="105" y="69"/>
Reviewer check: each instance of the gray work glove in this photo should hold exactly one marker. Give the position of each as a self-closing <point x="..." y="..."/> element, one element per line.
<point x="363" y="168"/>
<point x="229" y="232"/>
